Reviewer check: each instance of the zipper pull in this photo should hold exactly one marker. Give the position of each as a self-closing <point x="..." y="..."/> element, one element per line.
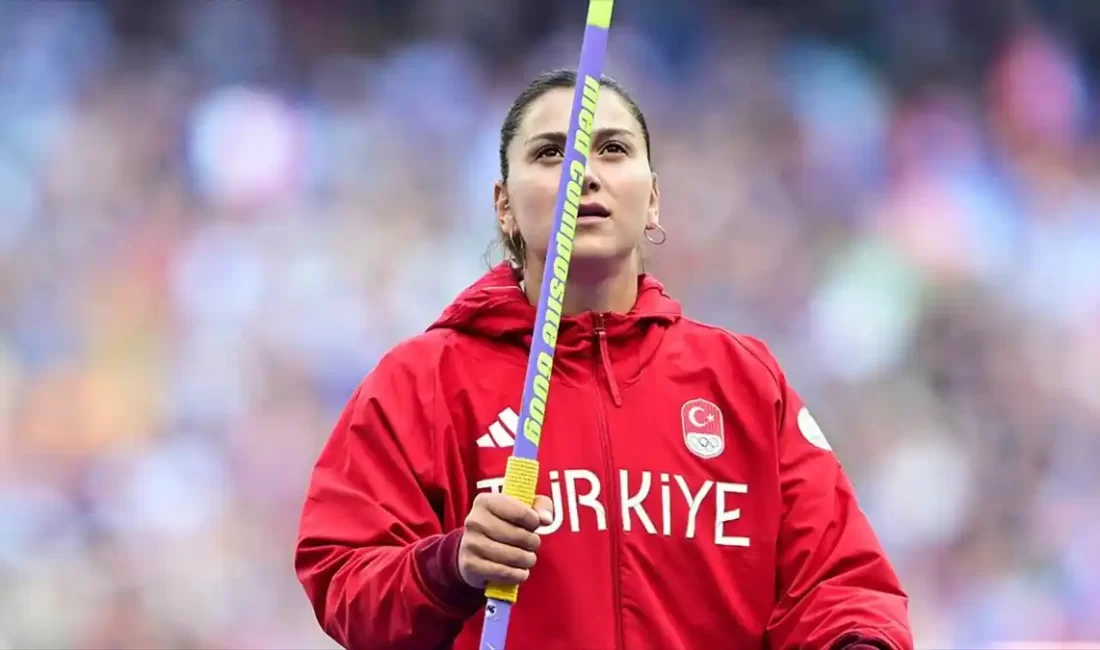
<point x="605" y="357"/>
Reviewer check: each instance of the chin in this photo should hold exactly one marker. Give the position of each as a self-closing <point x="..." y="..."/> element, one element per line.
<point x="598" y="249"/>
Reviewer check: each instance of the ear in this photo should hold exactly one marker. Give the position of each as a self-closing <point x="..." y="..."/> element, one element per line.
<point x="505" y="220"/>
<point x="654" y="210"/>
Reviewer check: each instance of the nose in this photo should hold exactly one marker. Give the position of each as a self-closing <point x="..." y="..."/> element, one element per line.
<point x="592" y="183"/>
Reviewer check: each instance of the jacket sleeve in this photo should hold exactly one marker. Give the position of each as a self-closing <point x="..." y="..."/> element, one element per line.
<point x="836" y="588"/>
<point x="372" y="553"/>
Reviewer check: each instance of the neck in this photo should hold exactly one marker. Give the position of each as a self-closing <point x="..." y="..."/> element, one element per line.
<point x="596" y="286"/>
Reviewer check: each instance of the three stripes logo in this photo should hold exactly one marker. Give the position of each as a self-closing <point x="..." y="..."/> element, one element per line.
<point x="502" y="433"/>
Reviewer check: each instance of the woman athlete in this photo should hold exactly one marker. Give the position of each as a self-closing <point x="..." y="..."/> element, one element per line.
<point x="688" y="498"/>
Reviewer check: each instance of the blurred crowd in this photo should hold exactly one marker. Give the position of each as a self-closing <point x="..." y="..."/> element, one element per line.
<point x="214" y="220"/>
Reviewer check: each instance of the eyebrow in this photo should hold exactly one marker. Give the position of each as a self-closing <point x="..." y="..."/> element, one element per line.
<point x="558" y="137"/>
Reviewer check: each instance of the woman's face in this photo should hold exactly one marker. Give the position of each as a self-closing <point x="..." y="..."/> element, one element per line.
<point x="620" y="189"/>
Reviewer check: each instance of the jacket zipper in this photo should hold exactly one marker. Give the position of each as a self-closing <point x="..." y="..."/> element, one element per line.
<point x="605" y="357"/>
<point x="615" y="517"/>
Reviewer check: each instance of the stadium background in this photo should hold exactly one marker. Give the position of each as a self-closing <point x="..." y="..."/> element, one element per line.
<point x="216" y="215"/>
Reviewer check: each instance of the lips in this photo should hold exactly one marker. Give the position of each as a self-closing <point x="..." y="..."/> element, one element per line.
<point x="593" y="210"/>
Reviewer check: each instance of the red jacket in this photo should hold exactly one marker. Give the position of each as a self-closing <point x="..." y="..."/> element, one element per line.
<point x="698" y="505"/>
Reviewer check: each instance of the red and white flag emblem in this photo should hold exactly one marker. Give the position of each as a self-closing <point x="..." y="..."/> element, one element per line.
<point x="703" y="433"/>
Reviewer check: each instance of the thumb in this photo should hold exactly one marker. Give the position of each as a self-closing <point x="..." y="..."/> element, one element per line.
<point x="545" y="507"/>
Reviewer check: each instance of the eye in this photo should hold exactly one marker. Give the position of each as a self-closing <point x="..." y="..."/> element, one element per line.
<point x="615" y="147"/>
<point x="548" y="150"/>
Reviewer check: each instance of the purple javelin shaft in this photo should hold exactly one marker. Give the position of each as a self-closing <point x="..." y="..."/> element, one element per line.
<point x="592" y="55"/>
<point x="593" y="48"/>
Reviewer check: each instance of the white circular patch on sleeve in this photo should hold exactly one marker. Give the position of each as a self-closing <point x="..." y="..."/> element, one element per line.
<point x="810" y="431"/>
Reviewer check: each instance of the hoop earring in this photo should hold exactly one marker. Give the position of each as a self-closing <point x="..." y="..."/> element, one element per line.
<point x="657" y="242"/>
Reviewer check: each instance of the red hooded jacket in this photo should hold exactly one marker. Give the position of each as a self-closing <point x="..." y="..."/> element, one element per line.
<point x="698" y="505"/>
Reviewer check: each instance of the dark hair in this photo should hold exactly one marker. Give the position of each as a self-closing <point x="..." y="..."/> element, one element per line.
<point x="542" y="84"/>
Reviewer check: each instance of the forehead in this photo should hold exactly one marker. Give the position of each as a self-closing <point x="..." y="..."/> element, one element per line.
<point x="551" y="112"/>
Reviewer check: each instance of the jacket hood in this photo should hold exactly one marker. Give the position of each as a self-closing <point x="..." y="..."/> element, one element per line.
<point x="495" y="307"/>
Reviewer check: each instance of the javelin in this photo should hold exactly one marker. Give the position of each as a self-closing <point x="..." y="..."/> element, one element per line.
<point x="521" y="477"/>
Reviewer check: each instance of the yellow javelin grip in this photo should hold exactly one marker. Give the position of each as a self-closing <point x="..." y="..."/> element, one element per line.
<point x="521" y="479"/>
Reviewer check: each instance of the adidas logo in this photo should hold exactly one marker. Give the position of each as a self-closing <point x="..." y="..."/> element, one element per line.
<point x="502" y="433"/>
